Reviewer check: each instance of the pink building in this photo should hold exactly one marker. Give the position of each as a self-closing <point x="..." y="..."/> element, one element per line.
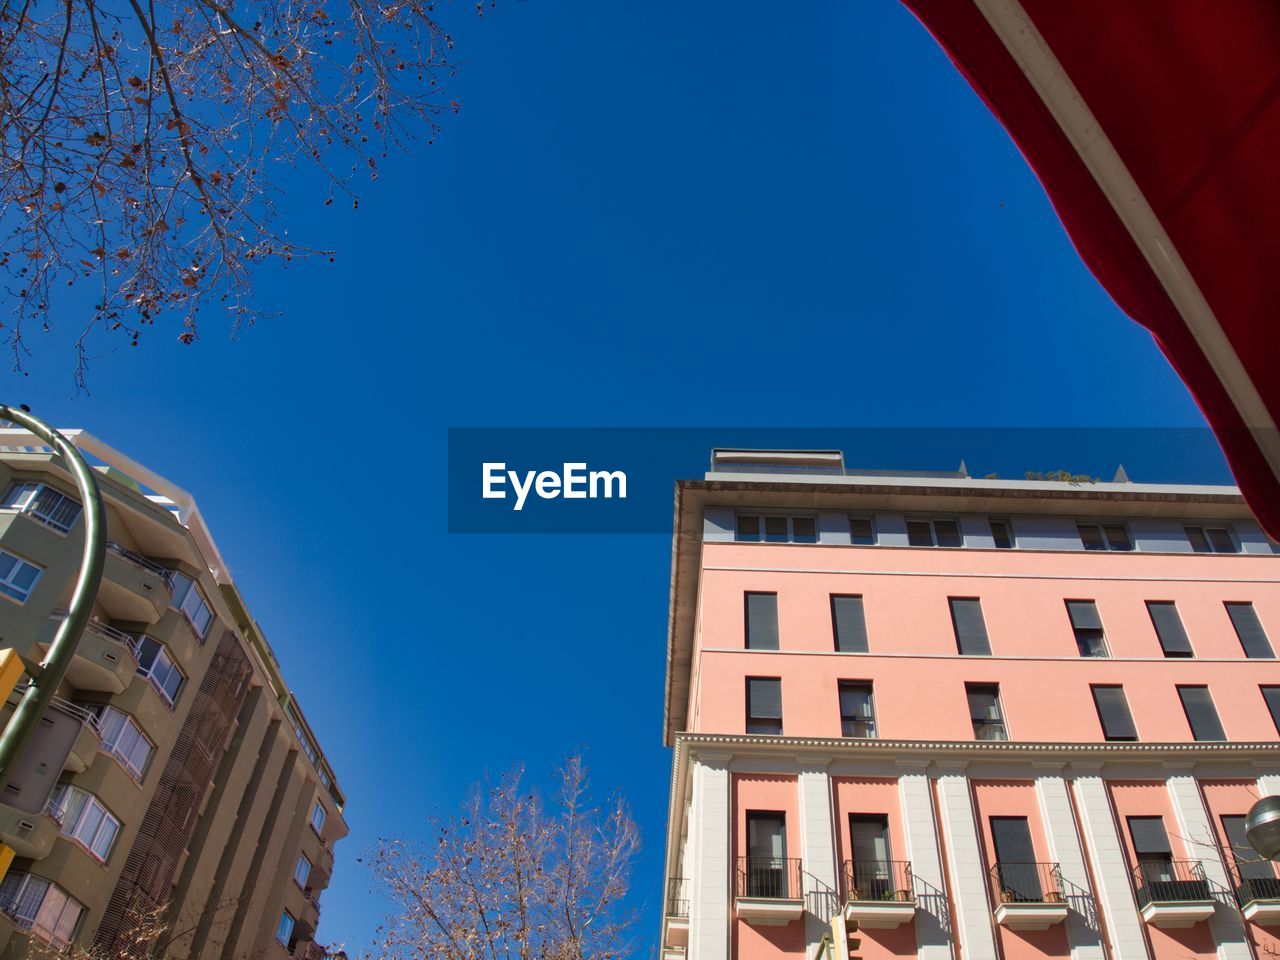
<point x="988" y="719"/>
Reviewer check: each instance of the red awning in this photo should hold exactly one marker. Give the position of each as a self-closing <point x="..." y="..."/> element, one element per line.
<point x="1155" y="129"/>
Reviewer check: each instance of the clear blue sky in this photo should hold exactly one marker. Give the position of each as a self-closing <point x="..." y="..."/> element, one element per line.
<point x="646" y="214"/>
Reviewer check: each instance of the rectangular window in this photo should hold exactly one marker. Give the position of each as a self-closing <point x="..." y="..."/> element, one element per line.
<point x="123" y="739"/>
<point x="1113" y="712"/>
<point x="766" y="871"/>
<point x="284" y="930"/>
<point x="190" y="601"/>
<point x="42" y="907"/>
<point x="757" y="528"/>
<point x="84" y="818"/>
<point x="1211" y="540"/>
<point x="318" y="817"/>
<point x="1151" y="849"/>
<point x="44" y="503"/>
<point x="848" y="624"/>
<point x="970" y="628"/>
<point x="762" y="621"/>
<point x="302" y="871"/>
<point x="1247" y="862"/>
<point x="1173" y="637"/>
<point x="155" y="663"/>
<point x="1090" y="640"/>
<point x="857" y="710"/>
<point x="17" y="577"/>
<point x="933" y="533"/>
<point x="1016" y="859"/>
<point x="764" y="705"/>
<point x="985" y="712"/>
<point x="1249" y="629"/>
<point x="1104" y="536"/>
<point x="1271" y="697"/>
<point x="1002" y="534"/>
<point x="862" y="531"/>
<point x="1201" y="713"/>
<point x="872" y="875"/>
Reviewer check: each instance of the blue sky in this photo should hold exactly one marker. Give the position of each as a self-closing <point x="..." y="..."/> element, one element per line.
<point x="647" y="215"/>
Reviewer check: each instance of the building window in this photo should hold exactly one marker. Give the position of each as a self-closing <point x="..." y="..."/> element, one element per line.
<point x="1151" y="849"/>
<point x="862" y="531"/>
<point x="41" y="907"/>
<point x="848" y="624"/>
<point x="302" y="871"/>
<point x="764" y="705"/>
<point x="757" y="528"/>
<point x="857" y="710"/>
<point x="1090" y="640"/>
<point x="83" y="818"/>
<point x="985" y="712"/>
<point x="1173" y="637"/>
<point x="933" y="533"/>
<point x="190" y="601"/>
<point x="766" y="866"/>
<point x="1271" y="696"/>
<point x="1016" y="868"/>
<point x="49" y="506"/>
<point x="1211" y="540"/>
<point x="970" y="628"/>
<point x="762" y="621"/>
<point x="122" y="738"/>
<point x="1257" y="876"/>
<point x="1249" y="629"/>
<point x="1201" y="713"/>
<point x="1002" y="534"/>
<point x="17" y="577"/>
<point x="284" y="930"/>
<point x="155" y="663"/>
<point x="1113" y="712"/>
<point x="1104" y="536"/>
<point x="318" y="816"/>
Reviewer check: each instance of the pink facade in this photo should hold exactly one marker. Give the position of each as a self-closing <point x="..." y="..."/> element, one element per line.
<point x="1064" y="787"/>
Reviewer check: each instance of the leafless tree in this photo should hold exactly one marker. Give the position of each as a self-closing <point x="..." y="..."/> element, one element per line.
<point x="145" y="143"/>
<point x="509" y="879"/>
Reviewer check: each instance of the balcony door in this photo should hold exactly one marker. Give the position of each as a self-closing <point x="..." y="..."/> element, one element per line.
<point x="1016" y="870"/>
<point x="1256" y="876"/>
<point x="767" y="855"/>
<point x="869" y="846"/>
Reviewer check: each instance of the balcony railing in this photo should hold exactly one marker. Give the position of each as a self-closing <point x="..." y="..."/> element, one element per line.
<point x="115" y="634"/>
<point x="146" y="563"/>
<point x="878" y="880"/>
<point x="769" y="878"/>
<point x="678" y="898"/>
<point x="1026" y="883"/>
<point x="1170" y="881"/>
<point x="1254" y="881"/>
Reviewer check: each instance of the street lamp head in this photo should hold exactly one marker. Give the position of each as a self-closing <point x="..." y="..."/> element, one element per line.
<point x="1262" y="827"/>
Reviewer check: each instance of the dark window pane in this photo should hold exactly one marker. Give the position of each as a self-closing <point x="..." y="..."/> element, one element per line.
<point x="849" y="624"/>
<point x="1090" y="536"/>
<point x="1001" y="534"/>
<point x="919" y="533"/>
<point x="1173" y="637"/>
<point x="971" y="630"/>
<point x="1149" y="838"/>
<point x="1201" y="713"/>
<point x="775" y="529"/>
<point x="764" y="705"/>
<point x="948" y="533"/>
<point x="1248" y="862"/>
<point x="857" y="712"/>
<point x="762" y="621"/>
<point x="984" y="711"/>
<point x="861" y="532"/>
<point x="1221" y="540"/>
<point x="1113" y="712"/>
<point x="1249" y="629"/>
<point x="748" y="527"/>
<point x="1117" y="536"/>
<point x="805" y="529"/>
<point x="1199" y="542"/>
<point x="1015" y="859"/>
<point x="1084" y="614"/>
<point x="1271" y="695"/>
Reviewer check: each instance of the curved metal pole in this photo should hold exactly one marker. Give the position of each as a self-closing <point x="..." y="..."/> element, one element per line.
<point x="35" y="701"/>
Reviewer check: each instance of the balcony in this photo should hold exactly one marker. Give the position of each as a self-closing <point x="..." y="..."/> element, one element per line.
<point x="878" y="894"/>
<point x="134" y="587"/>
<point x="769" y="891"/>
<point x="106" y="658"/>
<point x="1172" y="894"/>
<point x="30" y="835"/>
<point x="1028" y="896"/>
<point x="1257" y="891"/>
<point x="676" y="917"/>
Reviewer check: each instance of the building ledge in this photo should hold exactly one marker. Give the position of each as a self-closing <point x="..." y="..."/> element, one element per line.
<point x="1031" y="916"/>
<point x="768" y="911"/>
<point x="1265" y="913"/>
<point x="677" y="932"/>
<point x="1177" y="915"/>
<point x="880" y="914"/>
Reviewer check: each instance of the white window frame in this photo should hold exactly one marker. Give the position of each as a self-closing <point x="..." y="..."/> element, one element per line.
<point x="24" y="503"/>
<point x="306" y="873"/>
<point x="112" y="748"/>
<point x="286" y="926"/>
<point x="1101" y="526"/>
<point x="58" y="806"/>
<point x="1007" y="523"/>
<point x="38" y="925"/>
<point x="933" y="531"/>
<point x="762" y="516"/>
<point x="871" y="522"/>
<point x="8" y="588"/>
<point x="1204" y="529"/>
<point x="180" y="604"/>
<point x="318" y="808"/>
<point x="150" y="672"/>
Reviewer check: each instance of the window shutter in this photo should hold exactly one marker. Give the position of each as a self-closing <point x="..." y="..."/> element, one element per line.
<point x="762" y="621"/>
<point x="1084" y="615"/>
<point x="1249" y="629"/>
<point x="971" y="631"/>
<point x="1201" y="714"/>
<point x="1173" y="637"/>
<point x="1149" y="837"/>
<point x="849" y="623"/>
<point x="1113" y="711"/>
<point x="984" y="702"/>
<point x="855" y="700"/>
<point x="764" y="698"/>
<point x="1271" y="695"/>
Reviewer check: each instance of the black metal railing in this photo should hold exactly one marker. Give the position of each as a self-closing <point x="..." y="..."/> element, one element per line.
<point x="1026" y="883"/>
<point x="678" y="898"/>
<point x="145" y="563"/>
<point x="877" y="880"/>
<point x="769" y="878"/>
<point x="1170" y="881"/>
<point x="1254" y="881"/>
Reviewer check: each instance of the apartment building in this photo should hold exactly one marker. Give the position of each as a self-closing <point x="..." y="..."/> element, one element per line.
<point x="986" y="719"/>
<point x="175" y="777"/>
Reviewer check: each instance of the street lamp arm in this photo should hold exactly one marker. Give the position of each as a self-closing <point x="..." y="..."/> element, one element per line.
<point x="42" y="687"/>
